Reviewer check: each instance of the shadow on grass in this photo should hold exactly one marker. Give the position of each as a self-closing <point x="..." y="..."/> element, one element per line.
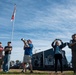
<point x="36" y="73"/>
<point x="24" y="73"/>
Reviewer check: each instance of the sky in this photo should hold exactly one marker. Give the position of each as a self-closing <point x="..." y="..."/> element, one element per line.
<point x="42" y="21"/>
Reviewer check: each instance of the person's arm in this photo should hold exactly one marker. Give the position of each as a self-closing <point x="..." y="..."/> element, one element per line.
<point x="62" y="44"/>
<point x="23" y="47"/>
<point x="26" y="44"/>
<point x="71" y="44"/>
<point x="5" y="49"/>
<point x="30" y="45"/>
<point x="53" y="43"/>
<point x="8" y="49"/>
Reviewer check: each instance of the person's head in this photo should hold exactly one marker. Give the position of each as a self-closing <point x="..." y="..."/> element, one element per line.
<point x="75" y="37"/>
<point x="9" y="43"/>
<point x="29" y="41"/>
<point x="57" y="43"/>
<point x="0" y="44"/>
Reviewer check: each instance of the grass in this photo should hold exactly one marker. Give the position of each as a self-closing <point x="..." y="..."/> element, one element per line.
<point x="36" y="72"/>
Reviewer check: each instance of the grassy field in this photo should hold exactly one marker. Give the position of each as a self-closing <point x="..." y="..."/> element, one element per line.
<point x="36" y="72"/>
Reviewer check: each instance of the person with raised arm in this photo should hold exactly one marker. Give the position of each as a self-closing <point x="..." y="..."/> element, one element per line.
<point x="58" y="53"/>
<point x="28" y="47"/>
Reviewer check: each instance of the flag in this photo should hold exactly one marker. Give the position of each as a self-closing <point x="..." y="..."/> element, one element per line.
<point x="14" y="12"/>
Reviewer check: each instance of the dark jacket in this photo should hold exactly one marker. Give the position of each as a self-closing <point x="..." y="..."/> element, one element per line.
<point x="73" y="47"/>
<point x="60" y="47"/>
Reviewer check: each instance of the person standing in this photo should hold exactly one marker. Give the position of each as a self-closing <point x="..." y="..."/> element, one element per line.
<point x="57" y="52"/>
<point x="1" y="55"/>
<point x="72" y="46"/>
<point x="7" y="50"/>
<point x="28" y="47"/>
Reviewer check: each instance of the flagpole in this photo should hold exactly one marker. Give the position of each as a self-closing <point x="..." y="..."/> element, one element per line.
<point x="13" y="20"/>
<point x="12" y="30"/>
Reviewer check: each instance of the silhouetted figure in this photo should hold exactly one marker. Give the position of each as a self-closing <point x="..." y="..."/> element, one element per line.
<point x="72" y="45"/>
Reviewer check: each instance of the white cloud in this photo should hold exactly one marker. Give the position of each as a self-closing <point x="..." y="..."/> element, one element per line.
<point x="52" y="19"/>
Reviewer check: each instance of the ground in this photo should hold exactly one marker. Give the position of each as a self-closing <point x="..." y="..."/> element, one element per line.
<point x="36" y="72"/>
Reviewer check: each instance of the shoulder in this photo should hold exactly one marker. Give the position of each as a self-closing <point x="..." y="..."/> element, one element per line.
<point x="1" y="47"/>
<point x="8" y="46"/>
<point x="31" y="45"/>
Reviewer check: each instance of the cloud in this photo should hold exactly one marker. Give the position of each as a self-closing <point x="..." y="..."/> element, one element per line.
<point x="41" y="20"/>
<point x="17" y="53"/>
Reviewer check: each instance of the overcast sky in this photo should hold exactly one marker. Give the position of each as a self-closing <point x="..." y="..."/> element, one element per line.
<point x="39" y="20"/>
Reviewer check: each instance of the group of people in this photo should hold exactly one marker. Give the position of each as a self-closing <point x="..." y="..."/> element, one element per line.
<point x="5" y="59"/>
<point x="58" y="52"/>
<point x="28" y="47"/>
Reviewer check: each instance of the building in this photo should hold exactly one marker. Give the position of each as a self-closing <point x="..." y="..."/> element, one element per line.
<point x="45" y="59"/>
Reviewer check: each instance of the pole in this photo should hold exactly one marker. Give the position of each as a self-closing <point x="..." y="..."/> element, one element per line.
<point x="12" y="30"/>
<point x="43" y="59"/>
<point x="13" y="19"/>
